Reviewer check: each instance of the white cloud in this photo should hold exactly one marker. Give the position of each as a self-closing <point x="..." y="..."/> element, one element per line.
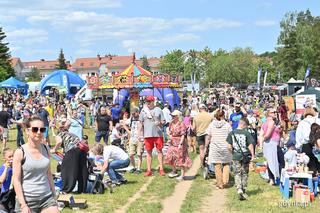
<point x="27" y="36"/>
<point x="208" y="24"/>
<point x="84" y="52"/>
<point x="265" y="23"/>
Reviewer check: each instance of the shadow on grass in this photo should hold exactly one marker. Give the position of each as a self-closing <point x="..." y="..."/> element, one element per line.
<point x="255" y="191"/>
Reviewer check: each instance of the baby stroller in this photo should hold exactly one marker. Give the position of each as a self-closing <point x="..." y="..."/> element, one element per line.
<point x="96" y="185"/>
<point x="208" y="169"/>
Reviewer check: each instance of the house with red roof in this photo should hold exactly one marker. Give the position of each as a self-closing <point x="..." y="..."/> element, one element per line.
<point x="17" y="65"/>
<point x="107" y="64"/>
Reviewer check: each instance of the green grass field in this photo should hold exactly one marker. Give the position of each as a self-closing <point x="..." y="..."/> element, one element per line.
<point x="262" y="197"/>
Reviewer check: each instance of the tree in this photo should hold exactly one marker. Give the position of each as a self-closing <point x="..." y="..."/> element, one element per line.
<point x="6" y="69"/>
<point x="237" y="66"/>
<point x="34" y="75"/>
<point x="62" y="61"/>
<point x="299" y="44"/>
<point x="172" y="63"/>
<point x="145" y="63"/>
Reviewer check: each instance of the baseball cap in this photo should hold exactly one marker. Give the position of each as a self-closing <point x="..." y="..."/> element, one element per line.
<point x="150" y="98"/>
<point x="135" y="109"/>
<point x="202" y="106"/>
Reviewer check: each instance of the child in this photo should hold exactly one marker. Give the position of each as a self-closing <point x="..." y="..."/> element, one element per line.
<point x="291" y="156"/>
<point x="240" y="144"/>
<point x="6" y="170"/>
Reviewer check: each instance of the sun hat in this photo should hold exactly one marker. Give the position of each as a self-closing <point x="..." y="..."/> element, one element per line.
<point x="176" y="113"/>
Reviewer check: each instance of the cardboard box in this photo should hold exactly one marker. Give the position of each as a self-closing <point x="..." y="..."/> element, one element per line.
<point x="70" y="201"/>
<point x="302" y="195"/>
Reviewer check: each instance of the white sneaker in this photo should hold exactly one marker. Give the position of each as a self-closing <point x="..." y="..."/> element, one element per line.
<point x="180" y="178"/>
<point x="172" y="174"/>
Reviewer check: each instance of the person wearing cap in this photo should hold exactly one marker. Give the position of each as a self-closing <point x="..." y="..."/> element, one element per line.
<point x="177" y="154"/>
<point x="200" y="125"/>
<point x="151" y="124"/>
<point x="239" y="113"/>
<point x="136" y="145"/>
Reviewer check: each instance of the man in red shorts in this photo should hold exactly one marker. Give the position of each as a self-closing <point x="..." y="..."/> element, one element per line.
<point x="151" y="121"/>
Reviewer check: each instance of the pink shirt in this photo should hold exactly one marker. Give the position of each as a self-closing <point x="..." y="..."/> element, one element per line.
<point x="186" y="121"/>
<point x="275" y="134"/>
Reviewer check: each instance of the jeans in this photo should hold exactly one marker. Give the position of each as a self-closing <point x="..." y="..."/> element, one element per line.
<point x="20" y="140"/>
<point x="117" y="164"/>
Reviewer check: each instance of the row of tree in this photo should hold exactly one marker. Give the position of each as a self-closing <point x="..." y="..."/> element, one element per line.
<point x="298" y="48"/>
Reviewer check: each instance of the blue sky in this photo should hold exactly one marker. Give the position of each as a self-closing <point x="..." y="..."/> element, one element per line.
<point x="37" y="29"/>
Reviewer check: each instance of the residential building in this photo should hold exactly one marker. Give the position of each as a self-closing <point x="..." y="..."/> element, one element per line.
<point x="17" y="65"/>
<point x="108" y="64"/>
<point x="44" y="67"/>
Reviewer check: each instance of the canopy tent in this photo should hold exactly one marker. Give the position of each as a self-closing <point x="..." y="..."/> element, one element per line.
<point x="13" y="83"/>
<point x="62" y="79"/>
<point x="310" y="91"/>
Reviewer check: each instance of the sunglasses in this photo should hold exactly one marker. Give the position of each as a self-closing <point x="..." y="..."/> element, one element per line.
<point x="36" y="129"/>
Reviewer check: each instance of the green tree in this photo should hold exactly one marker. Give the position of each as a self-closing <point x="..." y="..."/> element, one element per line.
<point x="172" y="63"/>
<point x="6" y="69"/>
<point x="298" y="42"/>
<point x="237" y="66"/>
<point x="34" y="75"/>
<point x="145" y="64"/>
<point x="62" y="65"/>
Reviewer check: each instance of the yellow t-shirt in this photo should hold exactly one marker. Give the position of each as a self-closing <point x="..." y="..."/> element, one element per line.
<point x="50" y="111"/>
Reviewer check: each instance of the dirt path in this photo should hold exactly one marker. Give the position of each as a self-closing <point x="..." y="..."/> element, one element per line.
<point x="136" y="196"/>
<point x="173" y="203"/>
<point x="215" y="203"/>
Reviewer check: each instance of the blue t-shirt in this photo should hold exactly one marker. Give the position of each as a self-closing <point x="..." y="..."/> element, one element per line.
<point x="235" y="118"/>
<point x="115" y="111"/>
<point x="7" y="182"/>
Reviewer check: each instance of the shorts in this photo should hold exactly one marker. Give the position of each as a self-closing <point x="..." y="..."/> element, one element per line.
<point x="5" y="133"/>
<point x="150" y="142"/>
<point x="201" y="140"/>
<point x="38" y="205"/>
<point x="46" y="133"/>
<point x="136" y="148"/>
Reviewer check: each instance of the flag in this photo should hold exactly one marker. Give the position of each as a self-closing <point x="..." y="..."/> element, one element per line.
<point x="307" y="73"/>
<point x="265" y="78"/>
<point x="259" y="76"/>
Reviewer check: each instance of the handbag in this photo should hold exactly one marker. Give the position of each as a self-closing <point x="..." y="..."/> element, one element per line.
<point x="245" y="158"/>
<point x="83" y="146"/>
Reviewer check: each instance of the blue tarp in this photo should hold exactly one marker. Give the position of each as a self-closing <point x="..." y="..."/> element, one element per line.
<point x="13" y="83"/>
<point x="62" y="78"/>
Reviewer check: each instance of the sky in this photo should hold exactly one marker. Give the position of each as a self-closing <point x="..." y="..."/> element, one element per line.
<point x="37" y="29"/>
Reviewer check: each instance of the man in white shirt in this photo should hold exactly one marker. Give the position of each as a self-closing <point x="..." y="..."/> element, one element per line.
<point x="120" y="159"/>
<point x="168" y="118"/>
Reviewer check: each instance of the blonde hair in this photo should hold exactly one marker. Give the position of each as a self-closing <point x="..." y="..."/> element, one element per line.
<point x="97" y="149"/>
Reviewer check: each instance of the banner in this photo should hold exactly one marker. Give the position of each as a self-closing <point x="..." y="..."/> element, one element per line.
<point x="259" y="77"/>
<point x="303" y="101"/>
<point x="265" y="78"/>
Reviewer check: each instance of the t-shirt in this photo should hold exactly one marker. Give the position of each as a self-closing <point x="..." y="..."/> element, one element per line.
<point x="4" y="118"/>
<point x="235" y="118"/>
<point x="114" y="153"/>
<point x="202" y="121"/>
<point x="133" y="123"/>
<point x="114" y="134"/>
<point x="7" y="182"/>
<point x="69" y="140"/>
<point x="43" y="114"/>
<point x="149" y="119"/>
<point x="244" y="139"/>
<point x="103" y="122"/>
<point x="115" y="112"/>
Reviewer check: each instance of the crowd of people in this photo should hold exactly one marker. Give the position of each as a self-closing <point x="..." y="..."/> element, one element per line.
<point x="228" y="128"/>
